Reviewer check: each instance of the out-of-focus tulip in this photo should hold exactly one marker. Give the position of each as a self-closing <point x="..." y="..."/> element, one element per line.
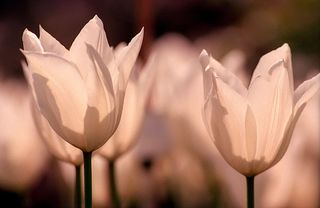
<point x="179" y="79"/>
<point x="80" y="91"/>
<point x="133" y="113"/>
<point x="252" y="127"/>
<point x="22" y="154"/>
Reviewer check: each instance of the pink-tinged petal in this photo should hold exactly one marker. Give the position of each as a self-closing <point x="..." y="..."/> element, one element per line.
<point x="91" y="34"/>
<point x="306" y="91"/>
<point x="204" y="59"/>
<point x="229" y="108"/>
<point x="269" y="60"/>
<point x="251" y="134"/>
<point x="129" y="125"/>
<point x="302" y="95"/>
<point x="50" y="44"/>
<point x="135" y="101"/>
<point x="101" y="118"/>
<point x="225" y="75"/>
<point x="271" y="100"/>
<point x="126" y="57"/>
<point x="60" y="94"/>
<point x="58" y="147"/>
<point x="207" y="74"/>
<point x="31" y="42"/>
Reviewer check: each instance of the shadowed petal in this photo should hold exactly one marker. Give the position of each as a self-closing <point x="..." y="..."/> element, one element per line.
<point x="60" y="93"/>
<point x="102" y="97"/>
<point x="251" y="134"/>
<point x="91" y="34"/>
<point x="271" y="100"/>
<point x="56" y="145"/>
<point x="229" y="108"/>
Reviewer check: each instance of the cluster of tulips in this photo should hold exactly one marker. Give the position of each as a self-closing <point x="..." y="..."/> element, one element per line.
<point x="90" y="99"/>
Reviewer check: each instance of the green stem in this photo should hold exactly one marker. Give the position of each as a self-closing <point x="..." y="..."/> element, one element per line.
<point x="77" y="193"/>
<point x="112" y="185"/>
<point x="250" y="192"/>
<point x="87" y="179"/>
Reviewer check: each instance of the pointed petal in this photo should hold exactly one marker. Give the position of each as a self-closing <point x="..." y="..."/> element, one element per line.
<point x="91" y="34"/>
<point x="31" y="42"/>
<point x="60" y="94"/>
<point x="126" y="57"/>
<point x="306" y="91"/>
<point x="50" y="44"/>
<point x="269" y="60"/>
<point x="204" y="59"/>
<point x="226" y="75"/>
<point x="207" y="74"/>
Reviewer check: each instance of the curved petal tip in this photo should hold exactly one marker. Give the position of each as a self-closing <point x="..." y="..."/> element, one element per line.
<point x="204" y="59"/>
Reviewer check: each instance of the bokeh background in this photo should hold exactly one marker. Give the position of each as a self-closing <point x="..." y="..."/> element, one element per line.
<point x="174" y="163"/>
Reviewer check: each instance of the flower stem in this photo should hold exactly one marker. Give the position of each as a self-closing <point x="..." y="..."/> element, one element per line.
<point x="77" y="194"/>
<point x="250" y="192"/>
<point x="112" y="185"/>
<point x="87" y="179"/>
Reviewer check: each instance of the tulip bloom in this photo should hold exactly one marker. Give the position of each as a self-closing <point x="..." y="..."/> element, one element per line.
<point x="252" y="127"/>
<point x="80" y="91"/>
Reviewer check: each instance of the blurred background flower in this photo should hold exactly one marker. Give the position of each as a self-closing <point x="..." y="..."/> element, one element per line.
<point x="174" y="163"/>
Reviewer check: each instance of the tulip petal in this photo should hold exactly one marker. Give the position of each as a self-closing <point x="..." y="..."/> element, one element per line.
<point x="129" y="125"/>
<point x="102" y="98"/>
<point x="302" y="95"/>
<point x="55" y="144"/>
<point x="226" y="75"/>
<point x="207" y="74"/>
<point x="31" y="42"/>
<point x="50" y="44"/>
<point x="306" y="91"/>
<point x="91" y="34"/>
<point x="251" y="134"/>
<point x="269" y="60"/>
<point x="271" y="101"/>
<point x="60" y="93"/>
<point x="126" y="56"/>
<point x="229" y="108"/>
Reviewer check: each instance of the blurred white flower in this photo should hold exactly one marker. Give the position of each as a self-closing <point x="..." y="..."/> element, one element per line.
<point x="252" y="127"/>
<point x="22" y="154"/>
<point x="80" y="91"/>
<point x="179" y="79"/>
